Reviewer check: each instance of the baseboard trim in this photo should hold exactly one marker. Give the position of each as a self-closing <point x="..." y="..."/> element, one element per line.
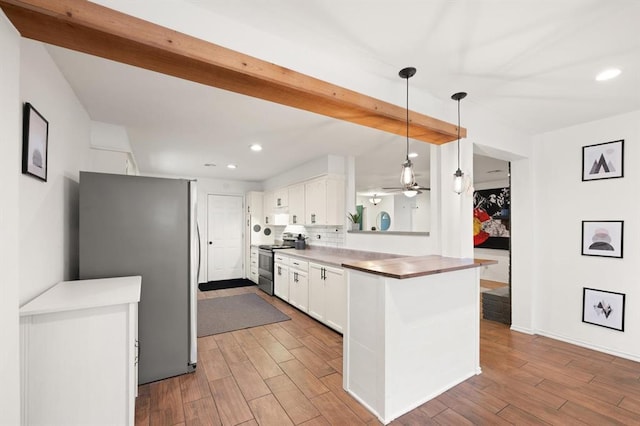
<point x="522" y="329"/>
<point x="587" y="345"/>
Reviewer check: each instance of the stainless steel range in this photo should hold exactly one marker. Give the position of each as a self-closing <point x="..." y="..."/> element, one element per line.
<point x="265" y="262"/>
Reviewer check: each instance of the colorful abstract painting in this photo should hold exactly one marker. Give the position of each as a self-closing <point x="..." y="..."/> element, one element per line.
<point x="491" y="218"/>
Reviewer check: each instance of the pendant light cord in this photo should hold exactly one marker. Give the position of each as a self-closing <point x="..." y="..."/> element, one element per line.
<point x="458" y="134"/>
<point x="407" y="118"/>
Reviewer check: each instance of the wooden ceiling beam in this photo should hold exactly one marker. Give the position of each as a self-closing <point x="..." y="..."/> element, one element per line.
<point x="90" y="28"/>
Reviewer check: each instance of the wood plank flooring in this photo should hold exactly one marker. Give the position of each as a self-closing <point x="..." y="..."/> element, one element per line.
<point x="290" y="373"/>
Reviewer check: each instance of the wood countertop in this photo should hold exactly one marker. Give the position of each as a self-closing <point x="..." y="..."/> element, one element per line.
<point x="415" y="266"/>
<point x="385" y="264"/>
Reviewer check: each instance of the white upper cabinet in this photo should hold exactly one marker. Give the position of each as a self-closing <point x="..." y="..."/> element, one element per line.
<point x="324" y="201"/>
<point x="297" y="204"/>
<point x="281" y="198"/>
<point x="267" y="210"/>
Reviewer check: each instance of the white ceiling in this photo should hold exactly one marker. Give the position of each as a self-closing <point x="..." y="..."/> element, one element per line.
<point x="530" y="63"/>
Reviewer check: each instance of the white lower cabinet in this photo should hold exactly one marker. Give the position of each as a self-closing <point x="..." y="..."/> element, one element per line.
<point x="281" y="281"/>
<point x="328" y="295"/>
<point x="299" y="284"/>
<point x="314" y="288"/>
<point x="79" y="353"/>
<point x="253" y="268"/>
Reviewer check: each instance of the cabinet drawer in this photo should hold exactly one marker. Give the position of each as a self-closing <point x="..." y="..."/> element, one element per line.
<point x="283" y="260"/>
<point x="299" y="264"/>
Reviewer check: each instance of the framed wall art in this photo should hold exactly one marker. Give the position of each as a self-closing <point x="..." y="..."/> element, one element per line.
<point x="602" y="238"/>
<point x="603" y="308"/>
<point x="603" y="161"/>
<point x="491" y="218"/>
<point x="35" y="143"/>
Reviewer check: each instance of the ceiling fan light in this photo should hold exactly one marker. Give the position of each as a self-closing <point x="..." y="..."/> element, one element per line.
<point x="410" y="193"/>
<point x="407" y="177"/>
<point x="457" y="181"/>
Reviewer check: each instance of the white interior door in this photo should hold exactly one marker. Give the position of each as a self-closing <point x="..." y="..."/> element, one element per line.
<point x="224" y="237"/>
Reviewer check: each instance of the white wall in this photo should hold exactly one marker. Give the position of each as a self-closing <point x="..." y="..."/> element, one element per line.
<point x="111" y="150"/>
<point x="10" y="165"/>
<point x="562" y="202"/>
<point x="328" y="164"/>
<point x="49" y="210"/>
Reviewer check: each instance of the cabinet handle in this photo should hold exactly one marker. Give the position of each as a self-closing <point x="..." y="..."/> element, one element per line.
<point x="137" y="358"/>
<point x="313" y="218"/>
<point x="295" y="219"/>
<point x="295" y="277"/>
<point x="278" y="202"/>
<point x="266" y="220"/>
<point x="279" y="270"/>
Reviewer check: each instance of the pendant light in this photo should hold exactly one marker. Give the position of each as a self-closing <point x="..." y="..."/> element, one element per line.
<point x="458" y="175"/>
<point x="407" y="176"/>
<point x="375" y="200"/>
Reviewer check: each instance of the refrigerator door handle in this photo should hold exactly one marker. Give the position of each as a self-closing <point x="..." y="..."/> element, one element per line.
<point x="193" y="278"/>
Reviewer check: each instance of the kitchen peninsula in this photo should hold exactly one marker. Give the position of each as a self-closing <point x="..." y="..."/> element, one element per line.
<point x="411" y="324"/>
<point x="412" y="330"/>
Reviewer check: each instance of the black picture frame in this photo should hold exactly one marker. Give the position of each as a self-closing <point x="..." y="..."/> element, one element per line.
<point x="603" y="308"/>
<point x="603" y="238"/>
<point x="35" y="143"/>
<point x="492" y="218"/>
<point x="603" y="161"/>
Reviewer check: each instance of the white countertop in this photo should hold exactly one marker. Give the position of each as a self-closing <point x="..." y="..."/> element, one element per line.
<point x="84" y="294"/>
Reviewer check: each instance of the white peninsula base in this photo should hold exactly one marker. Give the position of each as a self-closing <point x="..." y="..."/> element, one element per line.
<point x="408" y="340"/>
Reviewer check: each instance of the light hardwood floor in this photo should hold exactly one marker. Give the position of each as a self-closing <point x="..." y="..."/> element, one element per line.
<point x="290" y="373"/>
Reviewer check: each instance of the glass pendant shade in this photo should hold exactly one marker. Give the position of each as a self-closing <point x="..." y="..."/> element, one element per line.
<point x="457" y="176"/>
<point x="407" y="177"/>
<point x="457" y="181"/>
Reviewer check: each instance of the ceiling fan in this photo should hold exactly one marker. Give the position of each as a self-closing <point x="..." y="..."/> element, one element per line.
<point x="410" y="187"/>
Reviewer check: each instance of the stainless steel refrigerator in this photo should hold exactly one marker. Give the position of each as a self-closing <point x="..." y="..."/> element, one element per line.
<point x="135" y="225"/>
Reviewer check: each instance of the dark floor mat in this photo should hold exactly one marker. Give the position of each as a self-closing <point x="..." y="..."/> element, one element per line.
<point x="219" y="285"/>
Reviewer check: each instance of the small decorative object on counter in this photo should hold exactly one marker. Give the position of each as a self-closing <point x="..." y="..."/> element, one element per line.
<point x="355" y="221"/>
<point x="300" y="243"/>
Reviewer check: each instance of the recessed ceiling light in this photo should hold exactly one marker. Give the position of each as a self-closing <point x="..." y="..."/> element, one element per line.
<point x="608" y="74"/>
<point x="413" y="154"/>
<point x="256" y="147"/>
<point x="209" y="164"/>
<point x="231" y="166"/>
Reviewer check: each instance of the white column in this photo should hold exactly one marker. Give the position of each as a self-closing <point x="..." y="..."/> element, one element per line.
<point x="523" y="253"/>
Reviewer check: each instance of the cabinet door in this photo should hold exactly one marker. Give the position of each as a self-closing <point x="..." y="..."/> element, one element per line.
<point x="267" y="207"/>
<point x="281" y="198"/>
<point x="281" y="281"/>
<point x="299" y="289"/>
<point x="317" y="291"/>
<point x="316" y="202"/>
<point x="296" y="204"/>
<point x="335" y="287"/>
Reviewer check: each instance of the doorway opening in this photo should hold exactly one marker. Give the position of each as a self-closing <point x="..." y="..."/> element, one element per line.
<point x="224" y="237"/>
<point x="492" y="234"/>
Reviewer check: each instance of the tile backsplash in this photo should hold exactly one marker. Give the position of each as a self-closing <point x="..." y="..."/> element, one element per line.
<point x="324" y="236"/>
